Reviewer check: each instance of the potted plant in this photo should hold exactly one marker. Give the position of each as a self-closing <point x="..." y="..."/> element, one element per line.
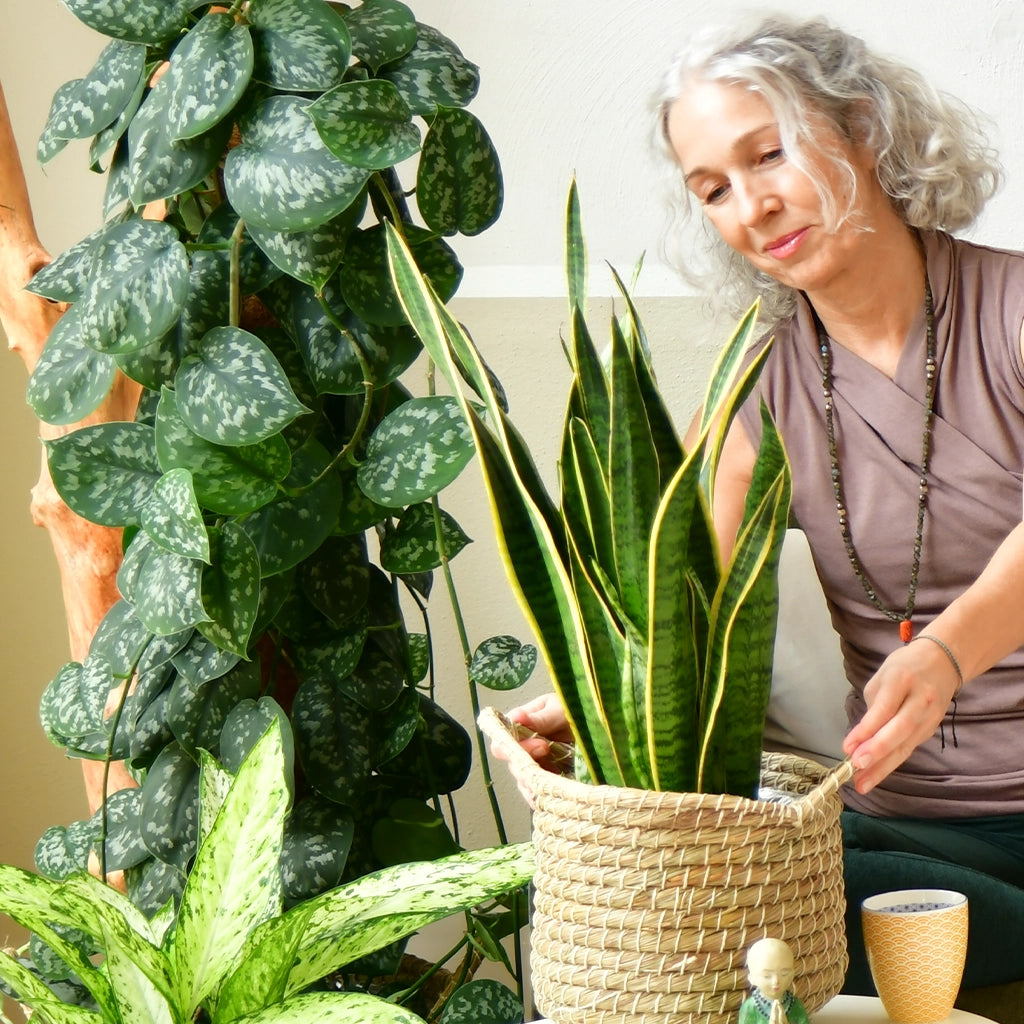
<point x="274" y="460"/>
<point x="661" y="651"/>
<point x="231" y="951"/>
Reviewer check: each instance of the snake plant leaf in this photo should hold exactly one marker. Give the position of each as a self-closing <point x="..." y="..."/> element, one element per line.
<point x="70" y="379"/>
<point x="317" y="839"/>
<point x="97" y="100"/>
<point x="382" y="31"/>
<point x="336" y="579"/>
<point x="575" y="251"/>
<point x="366" y="282"/>
<point x="416" y="451"/>
<point x="585" y="499"/>
<point x="300" y="47"/>
<point x="72" y="706"/>
<point x="170" y="800"/>
<point x="138" y="21"/>
<point x="502" y="663"/>
<point x="412" y="546"/>
<point x="366" y="124"/>
<point x="122" y="844"/>
<point x="105" y="472"/>
<point x="332" y="740"/>
<point x="233" y="391"/>
<point x="209" y="72"/>
<point x="163" y="587"/>
<point x="232" y="480"/>
<point x="64" y="849"/>
<point x="433" y="73"/>
<point x="65" y="279"/>
<point x="723" y="373"/>
<point x="196" y="715"/>
<point x="313" y="497"/>
<point x="458" y="183"/>
<point x="172" y="518"/>
<point x="281" y="176"/>
<point x="231" y="589"/>
<point x="590" y="398"/>
<point x="311" y="256"/>
<point x="483" y="1001"/>
<point x="201" y="660"/>
<point x="244" y="845"/>
<point x="134" y="259"/>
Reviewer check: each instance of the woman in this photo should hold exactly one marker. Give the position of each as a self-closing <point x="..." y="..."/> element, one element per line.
<point x="830" y="177"/>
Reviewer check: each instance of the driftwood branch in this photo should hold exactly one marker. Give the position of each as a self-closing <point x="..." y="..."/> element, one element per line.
<point x="88" y="555"/>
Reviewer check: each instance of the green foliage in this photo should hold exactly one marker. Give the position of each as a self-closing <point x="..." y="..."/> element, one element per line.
<point x="231" y="951"/>
<point x="279" y="484"/>
<point x="660" y="650"/>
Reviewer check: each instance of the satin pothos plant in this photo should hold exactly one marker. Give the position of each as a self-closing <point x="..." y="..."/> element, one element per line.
<point x="659" y="647"/>
<point x="278" y="486"/>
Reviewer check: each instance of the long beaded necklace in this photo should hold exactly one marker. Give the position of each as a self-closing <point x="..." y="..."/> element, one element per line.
<point x="904" y="618"/>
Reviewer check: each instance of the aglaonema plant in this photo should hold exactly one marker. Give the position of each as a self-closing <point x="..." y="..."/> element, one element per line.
<point x="231" y="952"/>
<point x="278" y="486"/>
<point x="660" y="648"/>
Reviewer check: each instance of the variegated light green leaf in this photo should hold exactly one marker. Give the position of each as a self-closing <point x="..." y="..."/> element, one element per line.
<point x="137" y="288"/>
<point x="161" y="166"/>
<point x="99" y="98"/>
<point x="334" y="1008"/>
<point x="382" y="31"/>
<point x="138" y="21"/>
<point x="70" y="379"/>
<point x="140" y="981"/>
<point x="366" y="281"/>
<point x="105" y="472"/>
<point x="40" y="997"/>
<point x="366" y="124"/>
<point x="65" y="279"/>
<point x="234" y="391"/>
<point x="502" y="663"/>
<point x="300" y="47"/>
<point x="214" y="785"/>
<point x="231" y="589"/>
<point x="458" y="184"/>
<point x="416" y="451"/>
<point x="289" y="530"/>
<point x="310" y="256"/>
<point x="170" y="807"/>
<point x="228" y="480"/>
<point x="433" y="73"/>
<point x="282" y="177"/>
<point x="244" y="846"/>
<point x="163" y="587"/>
<point x="172" y="518"/>
<point x="412" y="545"/>
<point x="209" y="71"/>
<point x="483" y="1001"/>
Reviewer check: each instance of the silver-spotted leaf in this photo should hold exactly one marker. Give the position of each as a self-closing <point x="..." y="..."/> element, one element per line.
<point x="172" y="517"/>
<point x="300" y="47"/>
<point x="502" y="663"/>
<point x="120" y="640"/>
<point x="382" y="31"/>
<point x="138" y="21"/>
<point x="366" y="124"/>
<point x="70" y="379"/>
<point x="231" y="480"/>
<point x="65" y="279"/>
<point x="64" y="849"/>
<point x="233" y="391"/>
<point x="122" y="844"/>
<point x="458" y="184"/>
<point x="412" y="545"/>
<point x="72" y="705"/>
<point x="105" y="472"/>
<point x="202" y="660"/>
<point x="317" y="838"/>
<point x="196" y="713"/>
<point x="245" y="724"/>
<point x="231" y="589"/>
<point x="416" y="451"/>
<point x="281" y="176"/>
<point x="163" y="587"/>
<point x="433" y="73"/>
<point x="170" y="807"/>
<point x="209" y="71"/>
<point x="483" y="1001"/>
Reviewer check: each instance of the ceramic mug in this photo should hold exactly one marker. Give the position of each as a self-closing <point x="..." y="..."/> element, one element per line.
<point x="916" y="942"/>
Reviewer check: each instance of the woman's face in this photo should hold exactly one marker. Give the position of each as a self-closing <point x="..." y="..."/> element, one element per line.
<point x="729" y="146"/>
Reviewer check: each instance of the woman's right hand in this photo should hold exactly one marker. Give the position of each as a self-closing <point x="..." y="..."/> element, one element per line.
<point x="546" y="737"/>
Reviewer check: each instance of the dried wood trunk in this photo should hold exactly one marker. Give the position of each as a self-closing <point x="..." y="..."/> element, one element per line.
<point x="88" y="555"/>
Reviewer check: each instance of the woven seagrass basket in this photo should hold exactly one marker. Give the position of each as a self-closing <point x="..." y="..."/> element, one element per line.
<point x="645" y="902"/>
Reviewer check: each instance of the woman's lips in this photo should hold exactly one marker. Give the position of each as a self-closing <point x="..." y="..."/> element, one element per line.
<point x="784" y="246"/>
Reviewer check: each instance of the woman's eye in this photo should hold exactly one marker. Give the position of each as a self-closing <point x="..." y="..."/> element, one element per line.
<point x="771" y="155"/>
<point x="716" y="195"/>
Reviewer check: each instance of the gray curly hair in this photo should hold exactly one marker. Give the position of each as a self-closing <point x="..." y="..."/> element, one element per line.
<point x="932" y="156"/>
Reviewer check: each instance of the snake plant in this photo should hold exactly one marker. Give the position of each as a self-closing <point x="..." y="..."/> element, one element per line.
<point x="660" y="649"/>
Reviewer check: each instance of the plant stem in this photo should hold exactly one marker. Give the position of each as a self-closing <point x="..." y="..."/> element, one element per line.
<point x="235" y="276"/>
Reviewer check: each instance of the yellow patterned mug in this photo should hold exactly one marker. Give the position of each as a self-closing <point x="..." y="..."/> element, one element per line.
<point x="916" y="941"/>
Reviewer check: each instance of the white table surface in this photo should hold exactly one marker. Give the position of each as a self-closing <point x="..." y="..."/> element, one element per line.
<point x="868" y="1010"/>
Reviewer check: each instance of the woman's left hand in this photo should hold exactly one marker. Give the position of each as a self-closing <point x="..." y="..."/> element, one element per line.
<point x="906" y="700"/>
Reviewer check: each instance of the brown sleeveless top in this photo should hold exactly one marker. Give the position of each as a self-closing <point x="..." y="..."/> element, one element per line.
<point x="974" y="501"/>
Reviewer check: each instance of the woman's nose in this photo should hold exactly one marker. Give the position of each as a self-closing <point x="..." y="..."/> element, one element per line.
<point x="755" y="202"/>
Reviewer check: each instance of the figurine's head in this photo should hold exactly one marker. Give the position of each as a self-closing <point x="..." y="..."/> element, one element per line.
<point x="770" y="967"/>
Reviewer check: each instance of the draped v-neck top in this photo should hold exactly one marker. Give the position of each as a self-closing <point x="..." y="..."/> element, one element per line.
<point x="974" y="501"/>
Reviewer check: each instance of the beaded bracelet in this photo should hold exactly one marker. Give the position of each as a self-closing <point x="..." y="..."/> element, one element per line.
<point x="952" y="658"/>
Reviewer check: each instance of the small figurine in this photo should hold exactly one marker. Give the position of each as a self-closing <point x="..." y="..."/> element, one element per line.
<point x="770" y="972"/>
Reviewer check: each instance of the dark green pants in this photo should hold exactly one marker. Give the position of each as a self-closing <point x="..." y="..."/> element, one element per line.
<point x="981" y="857"/>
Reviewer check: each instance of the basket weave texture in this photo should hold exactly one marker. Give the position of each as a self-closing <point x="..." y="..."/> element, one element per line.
<point x="646" y="902"/>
